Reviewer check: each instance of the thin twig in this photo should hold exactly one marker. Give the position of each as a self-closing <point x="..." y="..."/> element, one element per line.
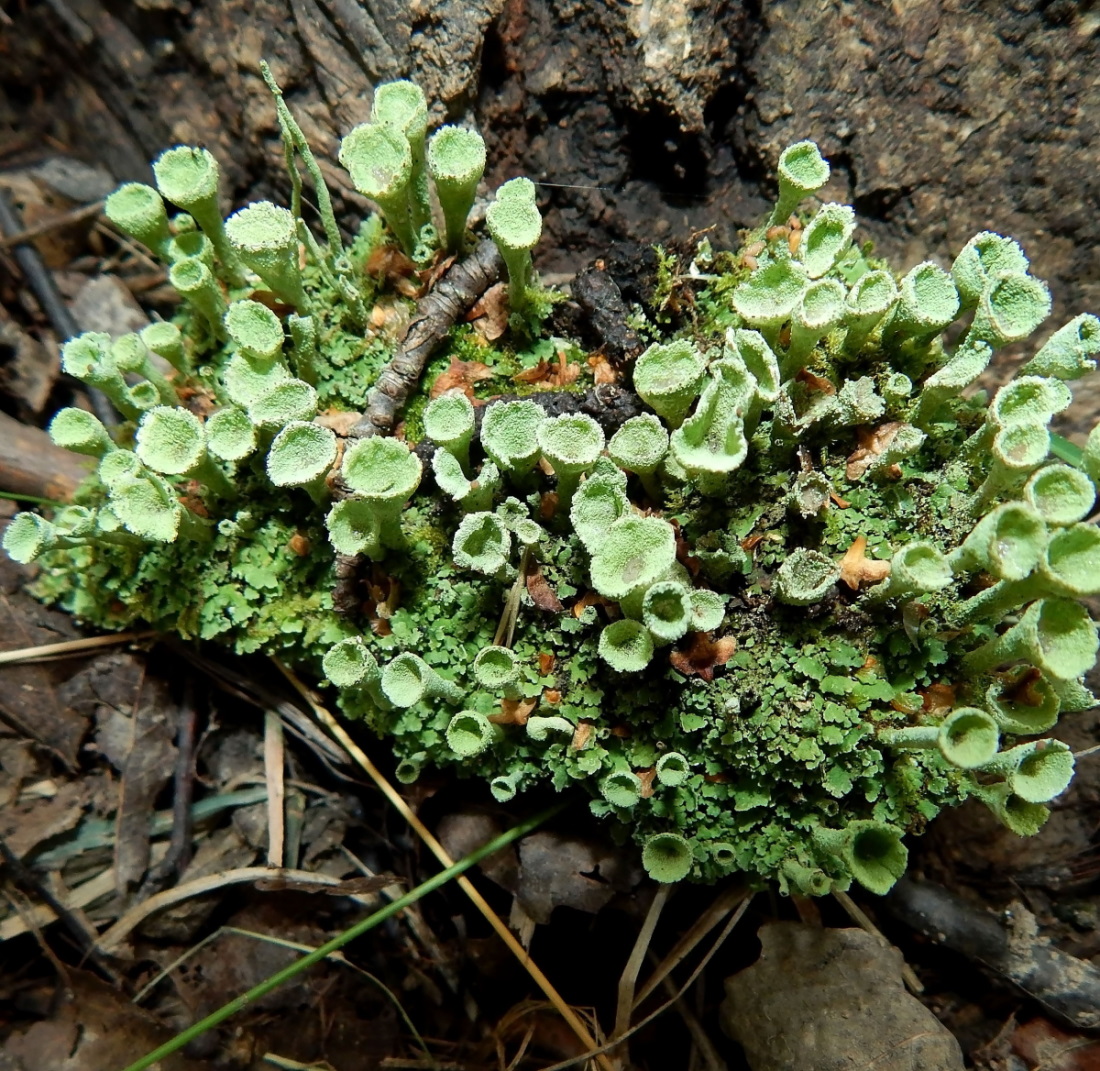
<point x="70" y="647"/>
<point x="41" y="282"/>
<point x="628" y="982"/>
<point x="596" y="1052"/>
<point x="437" y="849"/>
<point x="436" y="314"/>
<point x="701" y="1039"/>
<point x="112" y="938"/>
<point x="52" y="224"/>
<point x="183" y="784"/>
<point x="683" y="948"/>
<point x="274" y="766"/>
<point x="279" y="978"/>
<point x="22" y="876"/>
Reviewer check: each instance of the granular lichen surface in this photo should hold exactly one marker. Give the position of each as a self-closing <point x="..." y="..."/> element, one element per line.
<point x="814" y="591"/>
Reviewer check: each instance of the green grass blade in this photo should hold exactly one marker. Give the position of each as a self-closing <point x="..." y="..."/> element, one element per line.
<point x="280" y="977"/>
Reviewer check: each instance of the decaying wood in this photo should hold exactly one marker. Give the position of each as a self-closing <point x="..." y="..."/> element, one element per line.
<point x="30" y="463"/>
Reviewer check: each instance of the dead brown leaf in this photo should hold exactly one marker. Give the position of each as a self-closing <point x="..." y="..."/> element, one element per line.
<point x="549" y="376"/>
<point x="582" y="734"/>
<point x="489" y="314"/>
<point x="514" y="711"/>
<point x="815" y="383"/>
<point x="546" y="663"/>
<point x="703" y="655"/>
<point x="602" y="369"/>
<point x="463" y="375"/>
<point x="646" y="777"/>
<point x="544" y="597"/>
<point x="390" y="263"/>
<point x="938" y="698"/>
<point x="857" y="570"/>
<point x="872" y="443"/>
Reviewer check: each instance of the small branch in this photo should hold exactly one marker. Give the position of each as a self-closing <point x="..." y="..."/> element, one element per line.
<point x="52" y="224"/>
<point x="452" y="297"/>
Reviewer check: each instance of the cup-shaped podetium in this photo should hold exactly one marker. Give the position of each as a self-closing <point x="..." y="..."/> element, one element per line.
<point x="1008" y="542"/>
<point x="1010" y="308"/>
<point x="132" y="357"/>
<point x="667" y="857"/>
<point x="80" y="431"/>
<point x="482" y="543"/>
<point x="672" y="769"/>
<point x="867" y="304"/>
<point x="288" y="400"/>
<point x="265" y="237"/>
<point x="1036" y="771"/>
<point x="872" y="852"/>
<point x="918" y="568"/>
<point x="668" y="378"/>
<point x="138" y="210"/>
<point x="984" y="256"/>
<point x="401" y="107"/>
<point x="87" y="357"/>
<point x="769" y="296"/>
<point x="967" y="738"/>
<point x="301" y="456"/>
<point x="408" y="679"/>
<point x="496" y="668"/>
<point x="456" y="162"/>
<point x="599" y="502"/>
<point x="1016" y="814"/>
<point x="509" y="435"/>
<point x="188" y="177"/>
<point x="383" y="473"/>
<point x="1055" y="635"/>
<point x="29" y="536"/>
<point x="820" y="309"/>
<point x="927" y="303"/>
<point x="1023" y="703"/>
<point x="667" y="611"/>
<point x="708" y="610"/>
<point x="634" y="553"/>
<point x="515" y="224"/>
<point x="351" y="664"/>
<point x="449" y="423"/>
<point x="968" y="362"/>
<point x="802" y="171"/>
<point x="380" y="163"/>
<point x="621" y="788"/>
<point x="626" y="646"/>
<point x="470" y="732"/>
<point x="166" y="340"/>
<point x="805" y="577"/>
<point x="1060" y="494"/>
<point x="254" y="329"/>
<point x="171" y="440"/>
<point x="640" y="446"/>
<point x="1016" y="452"/>
<point x="571" y="443"/>
<point x="1067" y="353"/>
<point x="195" y="283"/>
<point x="712" y="442"/>
<point x="1028" y="400"/>
<point x="825" y="239"/>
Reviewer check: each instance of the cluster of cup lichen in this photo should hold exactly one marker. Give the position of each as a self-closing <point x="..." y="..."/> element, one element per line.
<point x="815" y="593"/>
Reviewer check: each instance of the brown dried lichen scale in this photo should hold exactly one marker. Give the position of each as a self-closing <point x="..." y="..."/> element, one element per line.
<point x="452" y="297"/>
